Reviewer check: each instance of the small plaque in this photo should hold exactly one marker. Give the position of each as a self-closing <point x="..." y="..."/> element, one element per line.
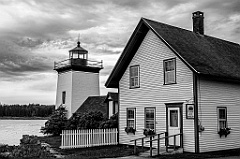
<point x="190" y="111"/>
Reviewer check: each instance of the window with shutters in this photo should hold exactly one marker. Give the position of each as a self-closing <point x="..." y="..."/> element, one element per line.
<point x="169" y="71"/>
<point x="134" y="77"/>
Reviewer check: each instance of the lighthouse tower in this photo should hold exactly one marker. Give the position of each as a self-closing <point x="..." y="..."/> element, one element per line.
<point x="78" y="78"/>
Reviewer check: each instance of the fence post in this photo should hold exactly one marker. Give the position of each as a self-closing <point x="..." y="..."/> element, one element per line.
<point x="135" y="147"/>
<point x="151" y="146"/>
<point x="166" y="141"/>
<point x="158" y="144"/>
<point x="142" y="143"/>
<point x="174" y="141"/>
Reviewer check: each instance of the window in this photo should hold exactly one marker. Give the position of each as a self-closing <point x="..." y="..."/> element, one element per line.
<point x="222" y="117"/>
<point x="64" y="97"/>
<point x="131" y="117"/>
<point x="174" y="118"/>
<point x="134" y="77"/>
<point x="169" y="71"/>
<point x="150" y="118"/>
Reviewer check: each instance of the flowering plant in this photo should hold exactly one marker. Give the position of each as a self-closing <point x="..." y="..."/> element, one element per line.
<point x="130" y="130"/>
<point x="148" y="132"/>
<point x="224" y="131"/>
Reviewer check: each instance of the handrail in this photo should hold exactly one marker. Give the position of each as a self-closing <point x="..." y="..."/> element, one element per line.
<point x="147" y="137"/>
<point x="165" y="137"/>
<point x="83" y="62"/>
<point x="135" y="142"/>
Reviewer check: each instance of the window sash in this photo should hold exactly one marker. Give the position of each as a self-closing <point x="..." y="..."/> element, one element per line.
<point x="150" y="118"/>
<point x="222" y="118"/>
<point x="134" y="76"/>
<point x="131" y="117"/>
<point x="170" y="71"/>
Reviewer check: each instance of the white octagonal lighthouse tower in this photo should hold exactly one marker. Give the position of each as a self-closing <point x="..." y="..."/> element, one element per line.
<point x="78" y="78"/>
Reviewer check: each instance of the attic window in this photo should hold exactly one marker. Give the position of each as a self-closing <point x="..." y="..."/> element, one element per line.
<point x="134" y="77"/>
<point x="169" y="71"/>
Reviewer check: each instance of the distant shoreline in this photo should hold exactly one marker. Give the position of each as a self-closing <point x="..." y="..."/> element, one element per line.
<point x="23" y="118"/>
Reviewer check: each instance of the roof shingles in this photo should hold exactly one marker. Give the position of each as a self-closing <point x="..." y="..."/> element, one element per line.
<point x="203" y="54"/>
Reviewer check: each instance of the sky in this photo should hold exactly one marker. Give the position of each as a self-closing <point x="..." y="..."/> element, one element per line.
<point x="34" y="34"/>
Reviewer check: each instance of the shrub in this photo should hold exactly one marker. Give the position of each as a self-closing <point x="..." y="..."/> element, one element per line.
<point x="110" y="123"/>
<point x="56" y="123"/>
<point x="90" y="120"/>
<point x="72" y="123"/>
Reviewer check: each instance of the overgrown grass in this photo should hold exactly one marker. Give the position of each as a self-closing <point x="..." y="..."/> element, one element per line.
<point x="91" y="152"/>
<point x="124" y="150"/>
<point x="98" y="152"/>
<point x="217" y="154"/>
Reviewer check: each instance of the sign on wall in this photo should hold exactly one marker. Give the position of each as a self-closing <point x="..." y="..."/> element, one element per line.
<point x="190" y="111"/>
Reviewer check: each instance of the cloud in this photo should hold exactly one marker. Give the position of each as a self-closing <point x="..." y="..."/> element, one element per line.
<point x="34" y="33"/>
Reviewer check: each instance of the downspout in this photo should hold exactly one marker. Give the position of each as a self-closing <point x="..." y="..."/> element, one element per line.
<point x="118" y="113"/>
<point x="195" y="94"/>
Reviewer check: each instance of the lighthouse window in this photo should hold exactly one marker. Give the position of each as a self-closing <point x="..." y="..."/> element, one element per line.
<point x="63" y="97"/>
<point x="134" y="77"/>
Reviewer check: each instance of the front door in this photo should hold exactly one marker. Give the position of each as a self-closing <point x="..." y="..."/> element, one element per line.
<point x="174" y="124"/>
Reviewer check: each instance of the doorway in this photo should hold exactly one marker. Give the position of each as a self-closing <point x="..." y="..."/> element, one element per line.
<point x="174" y="123"/>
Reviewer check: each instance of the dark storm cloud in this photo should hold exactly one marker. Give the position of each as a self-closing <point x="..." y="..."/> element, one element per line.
<point x="17" y="61"/>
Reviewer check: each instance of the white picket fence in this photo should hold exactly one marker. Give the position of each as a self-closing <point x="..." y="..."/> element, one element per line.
<point x="88" y="138"/>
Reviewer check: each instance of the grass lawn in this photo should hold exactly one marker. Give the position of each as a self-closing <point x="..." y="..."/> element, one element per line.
<point x="217" y="154"/>
<point x="123" y="150"/>
<point x="88" y="153"/>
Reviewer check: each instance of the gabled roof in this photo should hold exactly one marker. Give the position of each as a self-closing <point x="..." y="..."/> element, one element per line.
<point x="93" y="103"/>
<point x="204" y="55"/>
<point x="112" y="95"/>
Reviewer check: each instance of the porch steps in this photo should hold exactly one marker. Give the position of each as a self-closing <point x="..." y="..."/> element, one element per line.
<point x="162" y="152"/>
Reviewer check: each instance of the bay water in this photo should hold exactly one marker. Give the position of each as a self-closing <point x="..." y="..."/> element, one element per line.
<point x="11" y="131"/>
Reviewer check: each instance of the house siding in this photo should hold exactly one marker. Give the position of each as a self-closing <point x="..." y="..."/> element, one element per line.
<point x="153" y="92"/>
<point x="213" y="94"/>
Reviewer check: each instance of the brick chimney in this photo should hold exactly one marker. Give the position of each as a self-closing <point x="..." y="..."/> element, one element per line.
<point x="198" y="26"/>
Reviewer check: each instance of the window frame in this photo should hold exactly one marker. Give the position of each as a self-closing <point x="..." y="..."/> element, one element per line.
<point x="130" y="77"/>
<point x="145" y="120"/>
<point x="64" y="97"/>
<point x="174" y="71"/>
<point x="220" y="120"/>
<point x="134" y="119"/>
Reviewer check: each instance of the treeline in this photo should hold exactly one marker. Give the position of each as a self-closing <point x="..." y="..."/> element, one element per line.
<point x="30" y="110"/>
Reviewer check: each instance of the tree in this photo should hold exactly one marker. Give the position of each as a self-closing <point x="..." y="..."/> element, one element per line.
<point x="56" y="123"/>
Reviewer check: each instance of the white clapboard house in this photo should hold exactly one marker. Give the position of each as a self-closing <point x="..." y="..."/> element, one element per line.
<point x="181" y="82"/>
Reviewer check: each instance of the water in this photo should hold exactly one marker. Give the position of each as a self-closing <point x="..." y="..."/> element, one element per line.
<point x="11" y="131"/>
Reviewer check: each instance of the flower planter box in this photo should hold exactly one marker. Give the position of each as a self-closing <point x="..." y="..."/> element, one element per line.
<point x="130" y="130"/>
<point x="148" y="132"/>
<point x="224" y="131"/>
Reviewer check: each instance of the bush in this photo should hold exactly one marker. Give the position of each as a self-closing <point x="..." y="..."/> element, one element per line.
<point x="56" y="123"/>
<point x="110" y="123"/>
<point x="90" y="120"/>
<point x="73" y="122"/>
